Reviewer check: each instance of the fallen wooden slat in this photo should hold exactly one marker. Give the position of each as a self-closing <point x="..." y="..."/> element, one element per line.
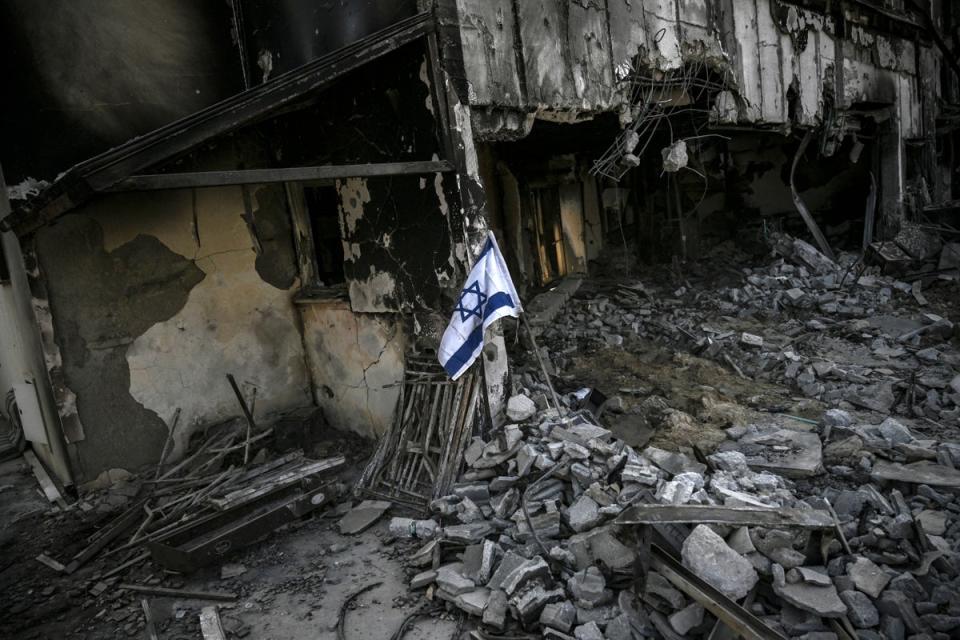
<point x="148" y="619"/>
<point x="129" y="563"/>
<point x="119" y="525"/>
<point x="50" y="562"/>
<point x="47" y="484"/>
<point x="710" y="514"/>
<point x="186" y="594"/>
<point x="286" y="479"/>
<point x="741" y="621"/>
<point x="923" y="472"/>
<point x="210" y="625"/>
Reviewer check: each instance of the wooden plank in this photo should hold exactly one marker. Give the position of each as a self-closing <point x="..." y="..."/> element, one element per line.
<point x="709" y="514"/>
<point x="158" y="181"/>
<point x="275" y="483"/>
<point x="184" y="594"/>
<point x="47" y="484"/>
<point x="210" y="625"/>
<point x="118" y="526"/>
<point x="151" y="628"/>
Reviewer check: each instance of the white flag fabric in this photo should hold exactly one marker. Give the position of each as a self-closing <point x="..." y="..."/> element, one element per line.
<point x="487" y="296"/>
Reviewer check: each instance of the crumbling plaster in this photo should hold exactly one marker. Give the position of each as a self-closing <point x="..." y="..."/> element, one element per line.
<point x="357" y="363"/>
<point x="149" y="341"/>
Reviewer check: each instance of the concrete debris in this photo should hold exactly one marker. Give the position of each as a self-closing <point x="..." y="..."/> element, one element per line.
<point x="709" y="556"/>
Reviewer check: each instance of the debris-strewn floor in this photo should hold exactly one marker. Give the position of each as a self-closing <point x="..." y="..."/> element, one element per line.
<point x="737" y="405"/>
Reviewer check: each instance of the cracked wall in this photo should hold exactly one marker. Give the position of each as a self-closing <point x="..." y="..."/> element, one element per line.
<point x="149" y="319"/>
<point x="356" y="362"/>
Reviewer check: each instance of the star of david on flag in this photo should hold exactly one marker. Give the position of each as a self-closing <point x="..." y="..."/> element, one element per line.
<point x="488" y="296"/>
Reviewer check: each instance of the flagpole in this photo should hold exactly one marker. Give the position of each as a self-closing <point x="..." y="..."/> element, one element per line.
<point x="543" y="368"/>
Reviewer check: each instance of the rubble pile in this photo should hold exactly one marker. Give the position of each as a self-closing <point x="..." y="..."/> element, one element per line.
<point x="836" y="332"/>
<point x="540" y="533"/>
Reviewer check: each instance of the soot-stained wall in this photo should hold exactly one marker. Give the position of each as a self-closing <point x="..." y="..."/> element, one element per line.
<point x="396" y="230"/>
<point x="155" y="298"/>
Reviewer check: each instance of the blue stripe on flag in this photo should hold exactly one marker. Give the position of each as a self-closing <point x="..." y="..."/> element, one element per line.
<point x="466" y="353"/>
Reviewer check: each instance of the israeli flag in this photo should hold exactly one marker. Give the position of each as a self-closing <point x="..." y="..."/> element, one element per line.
<point x="488" y="296"/>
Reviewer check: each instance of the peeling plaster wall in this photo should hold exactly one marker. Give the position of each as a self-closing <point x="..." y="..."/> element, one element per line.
<point x="357" y="362"/>
<point x="148" y="320"/>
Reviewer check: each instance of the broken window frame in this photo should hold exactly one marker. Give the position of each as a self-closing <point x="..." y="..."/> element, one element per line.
<point x="311" y="285"/>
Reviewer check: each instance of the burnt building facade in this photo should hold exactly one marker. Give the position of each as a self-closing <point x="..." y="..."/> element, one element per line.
<point x="310" y="224"/>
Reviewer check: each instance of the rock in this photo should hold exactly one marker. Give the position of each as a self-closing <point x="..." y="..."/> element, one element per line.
<point x="588" y="588"/>
<point x="495" y="615"/>
<point x="687" y="618"/>
<point x="473" y="602"/>
<point x="559" y="615"/>
<point x="511" y="560"/>
<point x="531" y="602"/>
<point x="860" y="610"/>
<point x="894" y="432"/>
<point x="671" y="462"/>
<point x="839" y="451"/>
<point x="468" y="533"/>
<point x="619" y="628"/>
<point x="600" y="546"/>
<point x="537" y="568"/>
<point x="583" y="514"/>
<point x="810" y="576"/>
<point x="589" y="631"/>
<point x="823" y="601"/>
<point x="423" y="579"/>
<point x="451" y="580"/>
<point x="837" y="418"/>
<point x="867" y="576"/>
<point x="479" y="561"/>
<point x="898" y="605"/>
<point x="751" y="340"/>
<point x="232" y="570"/>
<point x="933" y="522"/>
<point x="740" y="541"/>
<point x="908" y="585"/>
<point x="942" y="623"/>
<point x="520" y="408"/>
<point x="708" y="556"/>
<point x="363" y="516"/>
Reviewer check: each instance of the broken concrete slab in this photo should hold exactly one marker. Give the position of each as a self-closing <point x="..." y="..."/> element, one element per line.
<point x="867" y="576"/>
<point x="824" y="601"/>
<point x="363" y="516"/>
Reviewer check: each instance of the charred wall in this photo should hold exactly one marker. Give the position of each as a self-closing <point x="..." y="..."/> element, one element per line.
<point x="81" y="71"/>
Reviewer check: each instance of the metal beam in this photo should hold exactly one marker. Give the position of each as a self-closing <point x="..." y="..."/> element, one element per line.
<point x="151" y="182"/>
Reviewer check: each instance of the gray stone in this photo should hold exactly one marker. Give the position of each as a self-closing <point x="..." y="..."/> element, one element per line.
<point x="708" y="556"/>
<point x="583" y="514"/>
<point x="909" y="585"/>
<point x="600" y="546"/>
<point x="687" y="618"/>
<point x="495" y="615"/>
<point x="942" y="623"/>
<point x="894" y="432"/>
<point x="823" y="601"/>
<point x="479" y="561"/>
<point x="511" y="560"/>
<point x="860" y="610"/>
<point x="531" y="602"/>
<point x="837" y="418"/>
<point x="588" y="588"/>
<point x="867" y="576"/>
<point x="505" y="505"/>
<point x="537" y="568"/>
<point x="810" y="576"/>
<point x="423" y="579"/>
<point x="740" y="541"/>
<point x="589" y="631"/>
<point x="520" y="408"/>
<point x="619" y="628"/>
<point x="680" y="489"/>
<point x="451" y="580"/>
<point x="468" y="533"/>
<point x="559" y="615"/>
<point x="473" y="602"/>
<point x="671" y="462"/>
<point x="933" y="522"/>
<point x="898" y="605"/>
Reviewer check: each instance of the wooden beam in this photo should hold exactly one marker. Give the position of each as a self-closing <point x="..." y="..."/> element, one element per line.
<point x="150" y="182"/>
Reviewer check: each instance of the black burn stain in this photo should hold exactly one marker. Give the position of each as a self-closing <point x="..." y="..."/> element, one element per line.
<point x="101" y="302"/>
<point x="277" y="264"/>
